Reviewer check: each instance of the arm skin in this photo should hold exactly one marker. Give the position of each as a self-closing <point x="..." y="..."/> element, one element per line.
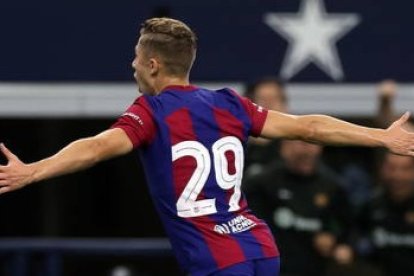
<point x="328" y="130"/>
<point x="84" y="153"/>
<point x="78" y="155"/>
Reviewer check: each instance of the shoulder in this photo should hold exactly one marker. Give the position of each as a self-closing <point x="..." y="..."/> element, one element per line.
<point x="228" y="93"/>
<point x="225" y="98"/>
<point x="142" y="104"/>
<point x="142" y="100"/>
<point x="241" y="102"/>
<point x="154" y="104"/>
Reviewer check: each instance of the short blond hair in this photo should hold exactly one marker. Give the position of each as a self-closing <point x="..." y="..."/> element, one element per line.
<point x="173" y="41"/>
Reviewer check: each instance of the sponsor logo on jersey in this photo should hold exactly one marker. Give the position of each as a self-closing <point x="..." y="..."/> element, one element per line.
<point x="237" y="225"/>
<point x="135" y="117"/>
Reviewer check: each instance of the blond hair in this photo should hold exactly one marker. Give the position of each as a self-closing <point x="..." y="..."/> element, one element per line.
<point x="173" y="41"/>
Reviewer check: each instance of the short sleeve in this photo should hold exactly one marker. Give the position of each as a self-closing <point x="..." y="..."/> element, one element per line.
<point x="256" y="113"/>
<point x="138" y="122"/>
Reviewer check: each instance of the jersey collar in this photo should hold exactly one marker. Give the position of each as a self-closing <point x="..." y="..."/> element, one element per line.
<point x="183" y="88"/>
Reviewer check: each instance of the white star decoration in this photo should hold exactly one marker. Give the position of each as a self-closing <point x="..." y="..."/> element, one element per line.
<point x="312" y="35"/>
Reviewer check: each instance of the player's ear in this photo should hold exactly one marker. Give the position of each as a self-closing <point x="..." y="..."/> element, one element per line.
<point x="154" y="66"/>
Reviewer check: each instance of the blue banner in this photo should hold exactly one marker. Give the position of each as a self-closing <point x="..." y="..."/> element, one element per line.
<point x="239" y="40"/>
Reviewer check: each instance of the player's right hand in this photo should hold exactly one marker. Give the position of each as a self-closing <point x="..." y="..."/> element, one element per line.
<point x="397" y="139"/>
<point x="15" y="174"/>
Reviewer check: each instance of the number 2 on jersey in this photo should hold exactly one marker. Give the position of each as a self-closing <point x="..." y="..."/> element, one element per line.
<point x="187" y="204"/>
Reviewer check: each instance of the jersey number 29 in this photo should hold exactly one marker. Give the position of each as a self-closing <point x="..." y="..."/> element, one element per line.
<point x="187" y="204"/>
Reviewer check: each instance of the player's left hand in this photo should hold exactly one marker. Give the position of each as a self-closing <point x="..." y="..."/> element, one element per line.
<point x="397" y="139"/>
<point x="15" y="175"/>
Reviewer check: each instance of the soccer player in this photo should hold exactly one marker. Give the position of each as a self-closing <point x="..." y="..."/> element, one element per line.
<point x="191" y="141"/>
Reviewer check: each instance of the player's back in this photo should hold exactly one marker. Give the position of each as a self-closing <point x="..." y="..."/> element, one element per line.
<point x="194" y="165"/>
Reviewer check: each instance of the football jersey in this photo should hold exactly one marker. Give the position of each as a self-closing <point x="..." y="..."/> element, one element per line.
<point x="191" y="143"/>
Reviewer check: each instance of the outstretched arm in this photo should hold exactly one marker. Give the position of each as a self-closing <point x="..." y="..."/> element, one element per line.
<point x="328" y="130"/>
<point x="78" y="155"/>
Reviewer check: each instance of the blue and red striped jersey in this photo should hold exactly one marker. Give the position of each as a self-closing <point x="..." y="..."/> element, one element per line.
<point x="192" y="143"/>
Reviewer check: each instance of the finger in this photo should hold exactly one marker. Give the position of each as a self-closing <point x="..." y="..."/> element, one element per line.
<point x="5" y="189"/>
<point x="9" y="155"/>
<point x="3" y="176"/>
<point x="4" y="183"/>
<point x="403" y="119"/>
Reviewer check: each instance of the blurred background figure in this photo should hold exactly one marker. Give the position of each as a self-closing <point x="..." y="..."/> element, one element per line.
<point x="388" y="219"/>
<point x="270" y="93"/>
<point x="387" y="92"/>
<point x="304" y="205"/>
<point x="356" y="179"/>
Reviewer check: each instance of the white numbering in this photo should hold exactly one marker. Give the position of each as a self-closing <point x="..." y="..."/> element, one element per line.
<point x="225" y="180"/>
<point x="187" y="204"/>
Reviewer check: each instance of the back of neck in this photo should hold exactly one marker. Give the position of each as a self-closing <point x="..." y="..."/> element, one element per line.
<point x="161" y="84"/>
